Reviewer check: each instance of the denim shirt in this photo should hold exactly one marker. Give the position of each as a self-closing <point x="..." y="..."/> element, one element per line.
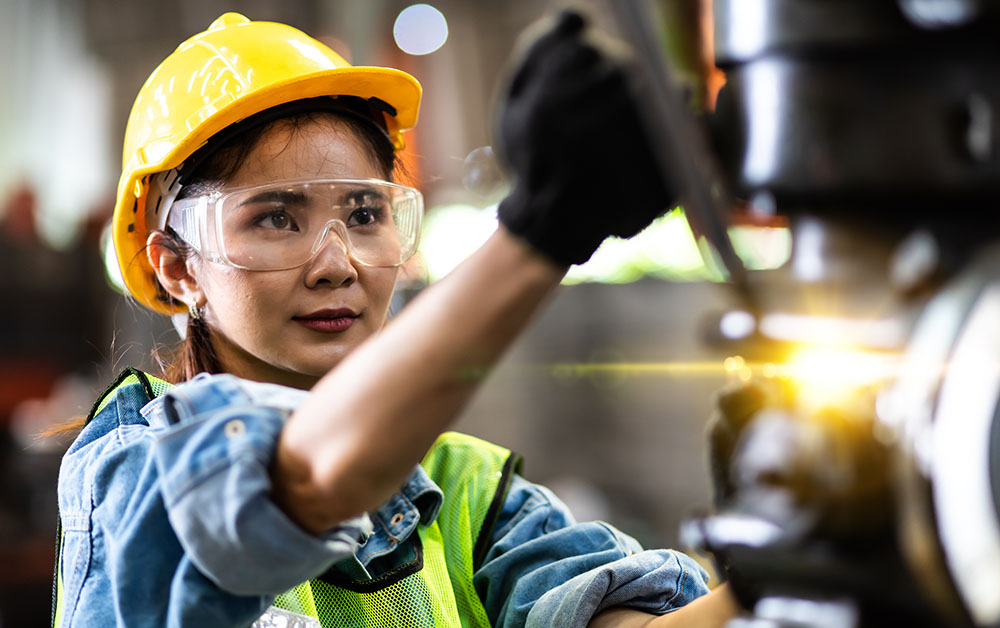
<point x="167" y="521"/>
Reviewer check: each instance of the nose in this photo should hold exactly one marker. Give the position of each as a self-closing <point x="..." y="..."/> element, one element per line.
<point x="332" y="263"/>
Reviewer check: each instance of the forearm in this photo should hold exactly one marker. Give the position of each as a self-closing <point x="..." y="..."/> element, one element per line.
<point x="374" y="416"/>
<point x="712" y="610"/>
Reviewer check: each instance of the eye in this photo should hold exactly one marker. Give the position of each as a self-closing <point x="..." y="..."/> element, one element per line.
<point x="363" y="216"/>
<point x="277" y="219"/>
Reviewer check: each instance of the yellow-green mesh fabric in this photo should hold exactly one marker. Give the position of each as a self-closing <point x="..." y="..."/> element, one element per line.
<point x="469" y="471"/>
<point x="441" y="594"/>
<point x="422" y="599"/>
<point x="158" y="385"/>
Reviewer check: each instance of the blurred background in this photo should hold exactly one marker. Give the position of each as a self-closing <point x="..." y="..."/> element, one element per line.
<point x="621" y="443"/>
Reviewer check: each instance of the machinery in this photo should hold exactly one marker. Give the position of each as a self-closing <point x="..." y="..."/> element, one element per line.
<point x="857" y="454"/>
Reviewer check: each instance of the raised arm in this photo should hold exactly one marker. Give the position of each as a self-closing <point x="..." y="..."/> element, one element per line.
<point x="583" y="171"/>
<point x="367" y="422"/>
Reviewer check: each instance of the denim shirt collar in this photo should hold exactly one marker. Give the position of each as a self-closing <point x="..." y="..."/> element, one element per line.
<point x="418" y="501"/>
<point x="154" y="414"/>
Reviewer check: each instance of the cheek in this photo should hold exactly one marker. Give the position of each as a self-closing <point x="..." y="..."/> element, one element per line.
<point x="380" y="283"/>
<point x="241" y="297"/>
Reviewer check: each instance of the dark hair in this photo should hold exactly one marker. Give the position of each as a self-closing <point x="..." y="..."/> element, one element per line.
<point x="196" y="353"/>
<point x="217" y="162"/>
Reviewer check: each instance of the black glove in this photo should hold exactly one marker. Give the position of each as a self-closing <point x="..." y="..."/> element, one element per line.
<point x="571" y="133"/>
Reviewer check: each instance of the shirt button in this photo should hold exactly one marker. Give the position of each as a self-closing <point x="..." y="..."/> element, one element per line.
<point x="396" y="519"/>
<point x="235" y="428"/>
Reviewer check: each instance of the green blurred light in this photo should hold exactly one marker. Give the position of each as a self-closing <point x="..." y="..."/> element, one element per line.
<point x="762" y="248"/>
<point x="667" y="249"/>
<point x="452" y="233"/>
<point x="112" y="271"/>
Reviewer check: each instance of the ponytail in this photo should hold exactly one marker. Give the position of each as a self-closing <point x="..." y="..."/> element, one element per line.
<point x="196" y="354"/>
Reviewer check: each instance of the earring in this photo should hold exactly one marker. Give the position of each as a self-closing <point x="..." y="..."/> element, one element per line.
<point x="195" y="311"/>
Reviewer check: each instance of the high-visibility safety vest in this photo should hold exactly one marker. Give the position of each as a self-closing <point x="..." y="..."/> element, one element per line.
<point x="433" y="589"/>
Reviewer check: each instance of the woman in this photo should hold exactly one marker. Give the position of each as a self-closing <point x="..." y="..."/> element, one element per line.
<point x="256" y="196"/>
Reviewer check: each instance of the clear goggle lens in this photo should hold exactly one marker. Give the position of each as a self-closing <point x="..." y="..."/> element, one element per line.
<point x="283" y="225"/>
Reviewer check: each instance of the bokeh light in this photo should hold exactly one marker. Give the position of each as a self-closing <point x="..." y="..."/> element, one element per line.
<point x="420" y="29"/>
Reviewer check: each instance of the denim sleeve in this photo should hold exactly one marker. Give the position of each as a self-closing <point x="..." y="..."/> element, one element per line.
<point x="216" y="487"/>
<point x="544" y="569"/>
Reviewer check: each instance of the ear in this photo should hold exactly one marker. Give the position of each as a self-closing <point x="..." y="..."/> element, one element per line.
<point x="175" y="274"/>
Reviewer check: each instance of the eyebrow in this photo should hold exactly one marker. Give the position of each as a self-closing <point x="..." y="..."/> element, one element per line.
<point x="287" y="197"/>
<point x="360" y="194"/>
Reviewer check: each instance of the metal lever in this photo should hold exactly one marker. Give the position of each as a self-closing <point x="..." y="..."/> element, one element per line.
<point x="679" y="142"/>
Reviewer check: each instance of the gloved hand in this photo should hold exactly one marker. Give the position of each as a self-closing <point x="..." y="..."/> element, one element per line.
<point x="572" y="136"/>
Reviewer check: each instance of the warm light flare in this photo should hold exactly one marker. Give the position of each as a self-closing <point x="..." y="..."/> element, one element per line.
<point x="819" y="377"/>
<point x="824" y="376"/>
<point x="583" y="369"/>
<point x="832" y="369"/>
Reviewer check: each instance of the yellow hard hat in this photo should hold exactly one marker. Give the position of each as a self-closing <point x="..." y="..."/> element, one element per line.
<point x="231" y="71"/>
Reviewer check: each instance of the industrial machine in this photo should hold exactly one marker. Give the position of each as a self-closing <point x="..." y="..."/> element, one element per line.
<point x="857" y="454"/>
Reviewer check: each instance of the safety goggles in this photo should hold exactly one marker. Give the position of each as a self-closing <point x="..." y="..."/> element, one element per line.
<point x="285" y="224"/>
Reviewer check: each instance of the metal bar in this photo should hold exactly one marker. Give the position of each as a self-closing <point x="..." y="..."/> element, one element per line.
<point x="680" y="143"/>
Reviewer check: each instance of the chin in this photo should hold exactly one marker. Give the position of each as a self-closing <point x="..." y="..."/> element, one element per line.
<point x="321" y="365"/>
<point x="312" y="360"/>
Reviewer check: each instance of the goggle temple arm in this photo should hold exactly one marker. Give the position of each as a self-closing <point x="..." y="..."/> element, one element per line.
<point x="186" y="219"/>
